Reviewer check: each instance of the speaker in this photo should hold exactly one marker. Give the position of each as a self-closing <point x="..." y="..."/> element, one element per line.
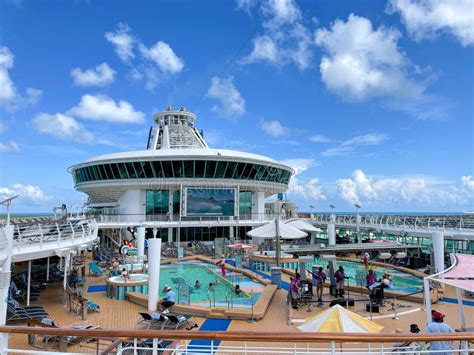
<point x="375" y="308"/>
<point x="343" y="302"/>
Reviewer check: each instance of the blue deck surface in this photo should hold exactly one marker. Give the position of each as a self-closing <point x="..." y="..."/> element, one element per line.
<point x="97" y="288"/>
<point x="210" y="324"/>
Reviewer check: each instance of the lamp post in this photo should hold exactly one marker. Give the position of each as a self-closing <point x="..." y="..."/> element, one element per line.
<point x="332" y="212"/>
<point x="359" y="237"/>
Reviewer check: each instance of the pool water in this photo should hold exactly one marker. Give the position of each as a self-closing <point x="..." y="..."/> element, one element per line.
<point x="401" y="281"/>
<point x="188" y="272"/>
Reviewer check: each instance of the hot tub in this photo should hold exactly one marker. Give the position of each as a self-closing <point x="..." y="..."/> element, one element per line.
<point x="117" y="286"/>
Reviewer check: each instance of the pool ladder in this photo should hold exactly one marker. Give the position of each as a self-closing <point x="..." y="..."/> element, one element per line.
<point x="229" y="297"/>
<point x="211" y="296"/>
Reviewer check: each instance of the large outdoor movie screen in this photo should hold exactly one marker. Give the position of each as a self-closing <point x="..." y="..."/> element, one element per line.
<point x="210" y="202"/>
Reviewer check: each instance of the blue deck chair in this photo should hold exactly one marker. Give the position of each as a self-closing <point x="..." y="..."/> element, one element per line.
<point x="95" y="270"/>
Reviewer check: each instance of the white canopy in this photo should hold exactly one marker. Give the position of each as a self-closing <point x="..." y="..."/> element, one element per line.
<point x="269" y="231"/>
<point x="302" y="225"/>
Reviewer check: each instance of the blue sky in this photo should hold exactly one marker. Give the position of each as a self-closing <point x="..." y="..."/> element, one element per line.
<point x="370" y="101"/>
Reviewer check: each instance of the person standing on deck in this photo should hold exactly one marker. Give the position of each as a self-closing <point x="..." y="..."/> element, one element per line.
<point x="320" y="279"/>
<point x="339" y="275"/>
<point x="437" y="326"/>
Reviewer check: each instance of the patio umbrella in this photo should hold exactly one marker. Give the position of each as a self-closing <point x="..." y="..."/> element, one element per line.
<point x="269" y="231"/>
<point x="278" y="231"/>
<point x="337" y="319"/>
<point x="302" y="225"/>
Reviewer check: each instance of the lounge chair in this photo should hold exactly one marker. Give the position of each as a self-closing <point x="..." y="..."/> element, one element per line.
<point x="176" y="321"/>
<point x="95" y="270"/>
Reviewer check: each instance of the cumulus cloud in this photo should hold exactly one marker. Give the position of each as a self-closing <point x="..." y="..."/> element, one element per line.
<point x="273" y="128"/>
<point x="123" y="42"/>
<point x="104" y="108"/>
<point x="361" y="62"/>
<point x="153" y="65"/>
<point x="28" y="192"/>
<point x="307" y="190"/>
<point x="63" y="127"/>
<point x="264" y="49"/>
<point x="284" y="40"/>
<point x="101" y="75"/>
<point x="163" y="56"/>
<point x="422" y="190"/>
<point x="10" y="98"/>
<point x="350" y="145"/>
<point x="428" y="18"/>
<point x="231" y="103"/>
<point x="10" y="147"/>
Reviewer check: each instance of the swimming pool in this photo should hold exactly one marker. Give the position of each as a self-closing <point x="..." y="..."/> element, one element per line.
<point x="401" y="281"/>
<point x="188" y="272"/>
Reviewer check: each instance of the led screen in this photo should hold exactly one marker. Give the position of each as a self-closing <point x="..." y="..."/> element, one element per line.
<point x="210" y="202"/>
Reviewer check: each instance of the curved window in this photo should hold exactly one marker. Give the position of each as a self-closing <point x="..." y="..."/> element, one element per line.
<point x="190" y="169"/>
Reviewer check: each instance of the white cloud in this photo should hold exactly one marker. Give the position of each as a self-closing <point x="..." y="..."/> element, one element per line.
<point x="28" y="192"/>
<point x="273" y="128"/>
<point x="7" y="88"/>
<point x="10" y="147"/>
<point x="319" y="138"/>
<point x="264" y="49"/>
<point x="10" y="98"/>
<point x="246" y="5"/>
<point x="395" y="191"/>
<point x="308" y="190"/>
<point x="153" y="64"/>
<point x="101" y="75"/>
<point x="284" y="40"/>
<point x="63" y="127"/>
<point x="350" y="145"/>
<point x="123" y="42"/>
<point x="361" y="63"/>
<point x="224" y="90"/>
<point x="428" y="18"/>
<point x="163" y="56"/>
<point x="104" y="108"/>
<point x="280" y="12"/>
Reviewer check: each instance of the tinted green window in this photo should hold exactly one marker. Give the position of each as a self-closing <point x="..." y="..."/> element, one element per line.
<point x="131" y="170"/>
<point x="200" y="166"/>
<point x="123" y="171"/>
<point x="158" y="169"/>
<point x="157" y="201"/>
<point x="239" y="170"/>
<point x="210" y="169"/>
<point x="245" y="202"/>
<point x="109" y="172"/>
<point x="178" y="168"/>
<point x="148" y="169"/>
<point x="176" y="202"/>
<point x="139" y="170"/>
<point x="189" y="168"/>
<point x="229" y="172"/>
<point x="167" y="169"/>
<point x="246" y="172"/>
<point x="115" y="171"/>
<point x="220" y="170"/>
<point x="253" y="172"/>
<point x="102" y="172"/>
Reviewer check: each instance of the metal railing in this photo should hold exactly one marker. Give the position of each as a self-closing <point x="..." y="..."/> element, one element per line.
<point x="458" y="223"/>
<point x="130" y="341"/>
<point x="54" y="231"/>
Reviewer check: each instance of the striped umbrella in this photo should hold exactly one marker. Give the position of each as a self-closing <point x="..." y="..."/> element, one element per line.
<point x="337" y="319"/>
